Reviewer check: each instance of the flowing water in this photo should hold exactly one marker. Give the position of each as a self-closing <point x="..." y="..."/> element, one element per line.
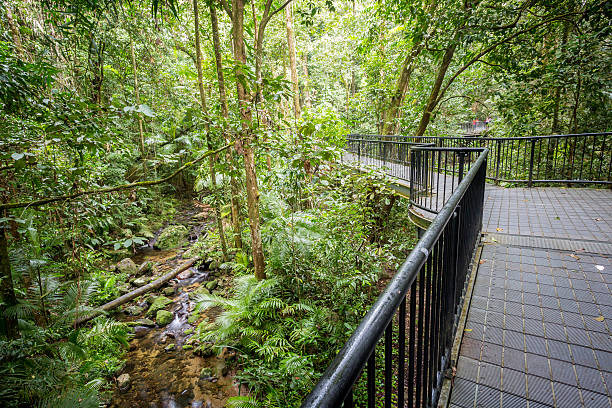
<point x="172" y="378"/>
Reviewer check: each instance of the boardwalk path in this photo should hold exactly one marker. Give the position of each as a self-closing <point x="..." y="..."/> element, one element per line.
<point x="538" y="330"/>
<point x="540" y="319"/>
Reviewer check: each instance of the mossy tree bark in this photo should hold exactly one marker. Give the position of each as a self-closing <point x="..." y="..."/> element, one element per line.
<point x="7" y="291"/>
<point x="234" y="186"/>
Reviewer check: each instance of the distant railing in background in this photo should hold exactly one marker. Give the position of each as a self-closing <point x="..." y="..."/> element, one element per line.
<point x="418" y="311"/>
<point x="477" y="127"/>
<point x="555" y="159"/>
<point x="393" y="155"/>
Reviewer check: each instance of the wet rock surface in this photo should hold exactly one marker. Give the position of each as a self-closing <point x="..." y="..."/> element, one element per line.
<point x="164" y="366"/>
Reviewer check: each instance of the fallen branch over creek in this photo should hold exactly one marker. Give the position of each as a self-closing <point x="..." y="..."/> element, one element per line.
<point x="135" y="293"/>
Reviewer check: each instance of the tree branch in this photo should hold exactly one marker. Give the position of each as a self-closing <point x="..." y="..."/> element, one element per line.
<point x="185" y="50"/>
<point x="495" y="45"/>
<point x="67" y="197"/>
<point x="281" y="8"/>
<point x="226" y="6"/>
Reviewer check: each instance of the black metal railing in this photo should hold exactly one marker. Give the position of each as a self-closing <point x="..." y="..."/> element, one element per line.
<point x="555" y="159"/>
<point x="392" y="155"/>
<point x="435" y="174"/>
<point x="417" y="312"/>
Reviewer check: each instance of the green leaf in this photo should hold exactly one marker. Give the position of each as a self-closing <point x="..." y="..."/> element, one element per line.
<point x="17" y="156"/>
<point x="145" y="110"/>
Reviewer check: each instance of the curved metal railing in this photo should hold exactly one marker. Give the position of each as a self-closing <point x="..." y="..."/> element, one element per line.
<point x="584" y="158"/>
<point x="430" y="284"/>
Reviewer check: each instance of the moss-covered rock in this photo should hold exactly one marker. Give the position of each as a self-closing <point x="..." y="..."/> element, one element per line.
<point x="193" y="318"/>
<point x="170" y="347"/>
<point x="206" y="373"/>
<point x="163" y="317"/>
<point x="199" y="291"/>
<point x="127" y="266"/>
<point x="172" y="237"/>
<point x="158" y="303"/>
<point x="145" y="267"/>
<point x="212" y="285"/>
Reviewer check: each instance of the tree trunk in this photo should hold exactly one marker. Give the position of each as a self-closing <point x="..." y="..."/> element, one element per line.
<point x="307" y="98"/>
<point x="14" y="32"/>
<point x="211" y="160"/>
<point x="137" y="96"/>
<point x="400" y="90"/>
<point x="7" y="291"/>
<point x="244" y="144"/>
<point x="234" y="186"/>
<point x="435" y="91"/>
<point x="292" y="61"/>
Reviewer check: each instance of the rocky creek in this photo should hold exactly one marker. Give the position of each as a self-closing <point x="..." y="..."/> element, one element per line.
<point x="165" y="367"/>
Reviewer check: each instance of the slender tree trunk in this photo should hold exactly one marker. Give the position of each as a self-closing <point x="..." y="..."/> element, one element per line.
<point x="292" y="61"/>
<point x="400" y="90"/>
<point x="6" y="287"/>
<point x="14" y="32"/>
<point x="234" y="186"/>
<point x="211" y="160"/>
<point x="244" y="146"/>
<point x="435" y="91"/>
<point x="137" y="96"/>
<point x="307" y="98"/>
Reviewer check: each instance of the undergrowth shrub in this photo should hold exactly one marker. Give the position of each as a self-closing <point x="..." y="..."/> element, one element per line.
<point x="325" y="258"/>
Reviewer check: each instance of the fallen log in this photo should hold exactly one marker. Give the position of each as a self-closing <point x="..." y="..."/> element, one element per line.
<point x="137" y="292"/>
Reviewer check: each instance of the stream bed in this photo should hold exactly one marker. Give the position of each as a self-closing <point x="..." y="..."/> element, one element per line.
<point x="161" y="364"/>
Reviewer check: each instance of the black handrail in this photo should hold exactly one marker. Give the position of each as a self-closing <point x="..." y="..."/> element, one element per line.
<point x="584" y="158"/>
<point x="433" y="276"/>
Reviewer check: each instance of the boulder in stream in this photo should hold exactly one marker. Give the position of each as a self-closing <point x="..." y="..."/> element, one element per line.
<point x="199" y="291"/>
<point x="193" y="318"/>
<point x="158" y="303"/>
<point x="145" y="267"/>
<point x="133" y="310"/>
<point x="206" y="373"/>
<point x="212" y="285"/>
<point x="164" y="317"/>
<point x="123" y="382"/>
<point x="145" y="322"/>
<point x="172" y="237"/>
<point x="126" y="265"/>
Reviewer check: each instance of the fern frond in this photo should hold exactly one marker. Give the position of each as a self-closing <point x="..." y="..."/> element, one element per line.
<point x="243" y="402"/>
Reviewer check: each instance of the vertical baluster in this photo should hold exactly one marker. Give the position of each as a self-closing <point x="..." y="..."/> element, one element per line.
<point x="412" y="342"/>
<point x="433" y="334"/>
<point x="421" y="330"/>
<point x="582" y="157"/>
<point x="402" y="354"/>
<point x="590" y="176"/>
<point x="531" y="157"/>
<point x="388" y="363"/>
<point x="538" y="161"/>
<point x="371" y="368"/>
<point x="427" y="334"/>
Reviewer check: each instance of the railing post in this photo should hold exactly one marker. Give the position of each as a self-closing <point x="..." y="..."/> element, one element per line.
<point x="530" y="182"/>
<point x="461" y="165"/>
<point x="498" y="156"/>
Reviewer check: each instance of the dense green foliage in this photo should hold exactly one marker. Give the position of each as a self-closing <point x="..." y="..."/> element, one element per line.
<point x="97" y="94"/>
